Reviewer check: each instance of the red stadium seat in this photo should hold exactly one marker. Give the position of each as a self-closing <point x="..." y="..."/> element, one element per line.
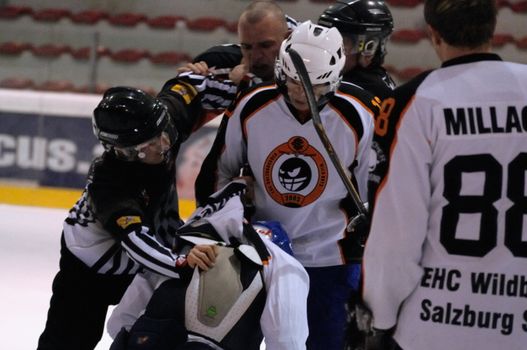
<point x="83" y="89"/>
<point x="17" y="83"/>
<point x="88" y="16"/>
<point x="82" y="53"/>
<point x="129" y="55"/>
<point x="164" y="22"/>
<point x="13" y="11"/>
<point x="56" y="85"/>
<point x="101" y="88"/>
<point x="13" y="48"/>
<point x="408" y="35"/>
<point x="519" y="6"/>
<point x="499" y="40"/>
<point x="170" y="58"/>
<point x="88" y="89"/>
<point x="390" y="69"/>
<point x="127" y="19"/>
<point x="232" y="27"/>
<point x="522" y="43"/>
<point x="205" y="24"/>
<point x="50" y="14"/>
<point x="50" y="50"/>
<point x="414" y="3"/>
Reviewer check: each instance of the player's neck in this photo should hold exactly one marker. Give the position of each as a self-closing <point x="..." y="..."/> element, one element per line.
<point x="303" y="116"/>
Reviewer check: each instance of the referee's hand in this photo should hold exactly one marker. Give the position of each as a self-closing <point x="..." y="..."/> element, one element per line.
<point x="200" y="67"/>
<point x="204" y="256"/>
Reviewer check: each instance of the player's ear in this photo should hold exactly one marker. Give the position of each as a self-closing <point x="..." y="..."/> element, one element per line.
<point x="434" y="36"/>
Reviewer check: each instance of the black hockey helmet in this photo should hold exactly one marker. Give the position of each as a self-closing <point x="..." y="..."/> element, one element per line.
<point x="127" y="117"/>
<point x="369" y="22"/>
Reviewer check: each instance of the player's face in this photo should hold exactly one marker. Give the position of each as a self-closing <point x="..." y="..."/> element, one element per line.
<point x="359" y="51"/>
<point x="297" y="96"/>
<point x="260" y="43"/>
<point x="152" y="151"/>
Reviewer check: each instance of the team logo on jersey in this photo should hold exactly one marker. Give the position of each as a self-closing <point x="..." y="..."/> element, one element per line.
<point x="125" y="221"/>
<point x="295" y="173"/>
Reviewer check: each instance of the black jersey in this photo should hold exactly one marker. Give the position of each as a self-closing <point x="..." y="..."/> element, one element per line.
<point x="376" y="80"/>
<point x="221" y="56"/>
<point x="128" y="209"/>
<point x="383" y="137"/>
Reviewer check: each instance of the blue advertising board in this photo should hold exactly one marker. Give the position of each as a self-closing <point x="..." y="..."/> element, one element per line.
<point x="47" y="139"/>
<point x="49" y="150"/>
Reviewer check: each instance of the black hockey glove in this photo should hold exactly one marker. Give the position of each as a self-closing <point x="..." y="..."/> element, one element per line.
<point x="354" y="241"/>
<point x="359" y="323"/>
<point x="380" y="339"/>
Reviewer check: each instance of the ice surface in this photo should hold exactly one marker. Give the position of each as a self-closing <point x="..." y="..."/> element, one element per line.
<point x="29" y="257"/>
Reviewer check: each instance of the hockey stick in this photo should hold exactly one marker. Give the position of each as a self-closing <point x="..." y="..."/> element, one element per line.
<point x="361" y="217"/>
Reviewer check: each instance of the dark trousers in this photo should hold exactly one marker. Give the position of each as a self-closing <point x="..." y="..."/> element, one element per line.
<point x="79" y="305"/>
<point x="329" y="291"/>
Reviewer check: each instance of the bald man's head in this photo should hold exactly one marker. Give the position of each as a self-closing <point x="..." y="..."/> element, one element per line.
<point x="261" y="29"/>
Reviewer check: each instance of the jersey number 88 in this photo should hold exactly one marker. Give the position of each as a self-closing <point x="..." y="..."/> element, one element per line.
<point x="484" y="205"/>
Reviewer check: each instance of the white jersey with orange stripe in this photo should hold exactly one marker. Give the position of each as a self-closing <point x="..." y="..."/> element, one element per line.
<point x="446" y="258"/>
<point x="295" y="181"/>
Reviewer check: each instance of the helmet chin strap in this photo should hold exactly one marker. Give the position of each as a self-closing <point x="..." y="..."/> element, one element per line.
<point x="166" y="153"/>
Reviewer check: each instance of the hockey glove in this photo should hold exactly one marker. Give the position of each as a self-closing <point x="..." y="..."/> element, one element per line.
<point x="359" y="322"/>
<point x="380" y="339"/>
<point x="353" y="243"/>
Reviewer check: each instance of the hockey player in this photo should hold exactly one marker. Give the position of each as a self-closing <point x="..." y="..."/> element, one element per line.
<point x="447" y="249"/>
<point x="270" y="128"/>
<point x="365" y="26"/>
<point x="254" y="289"/>
<point x="127" y="215"/>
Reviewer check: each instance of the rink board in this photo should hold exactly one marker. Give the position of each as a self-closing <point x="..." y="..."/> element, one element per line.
<point x="47" y="145"/>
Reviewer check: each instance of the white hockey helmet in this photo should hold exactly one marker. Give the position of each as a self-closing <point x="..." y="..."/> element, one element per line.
<point x="322" y="51"/>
